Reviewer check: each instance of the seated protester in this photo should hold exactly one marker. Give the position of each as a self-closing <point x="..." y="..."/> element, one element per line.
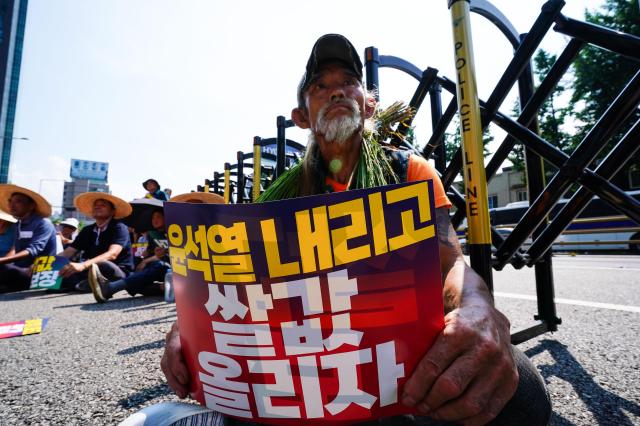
<point x="148" y="279"/>
<point x="68" y="228"/>
<point x="34" y="236"/>
<point x="7" y="232"/>
<point x="193" y="198"/>
<point x="105" y="245"/>
<point x="153" y="190"/>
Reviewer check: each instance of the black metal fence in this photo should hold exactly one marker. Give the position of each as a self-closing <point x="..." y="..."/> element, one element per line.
<point x="574" y="169"/>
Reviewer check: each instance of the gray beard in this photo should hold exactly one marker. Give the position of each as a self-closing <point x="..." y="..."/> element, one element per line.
<point x="341" y="128"/>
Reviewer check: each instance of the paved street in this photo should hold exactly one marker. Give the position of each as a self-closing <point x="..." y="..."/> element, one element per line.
<point x="96" y="364"/>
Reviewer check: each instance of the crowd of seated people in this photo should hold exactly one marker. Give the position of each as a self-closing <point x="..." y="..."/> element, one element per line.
<point x="101" y="257"/>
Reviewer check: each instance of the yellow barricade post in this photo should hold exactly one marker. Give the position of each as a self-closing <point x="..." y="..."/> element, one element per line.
<point x="257" y="167"/>
<point x="227" y="183"/>
<point x="479" y="240"/>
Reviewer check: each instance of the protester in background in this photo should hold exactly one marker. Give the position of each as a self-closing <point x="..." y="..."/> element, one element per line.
<point x="148" y="279"/>
<point x="153" y="190"/>
<point x="7" y="232"/>
<point x="139" y="245"/>
<point x="105" y="245"/>
<point x="34" y="235"/>
<point x="168" y="192"/>
<point x="68" y="228"/>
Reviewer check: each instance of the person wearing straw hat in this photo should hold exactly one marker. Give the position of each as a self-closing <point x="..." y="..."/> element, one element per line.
<point x="149" y="274"/>
<point x="153" y="268"/>
<point x="34" y="235"/>
<point x="198" y="198"/>
<point x="7" y="232"/>
<point x="471" y="374"/>
<point x="153" y="190"/>
<point x="105" y="245"/>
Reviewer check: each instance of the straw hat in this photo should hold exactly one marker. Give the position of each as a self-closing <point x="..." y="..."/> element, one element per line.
<point x="43" y="208"/>
<point x="84" y="203"/>
<point x="7" y="217"/>
<point x="198" y="198"/>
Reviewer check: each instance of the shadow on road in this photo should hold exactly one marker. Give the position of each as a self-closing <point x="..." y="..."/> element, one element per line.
<point x="606" y="407"/>
<point x="158" y="344"/>
<point x="22" y="295"/>
<point x="125" y="304"/>
<point x="159" y="305"/>
<point x="139" y="398"/>
<point x="159" y="320"/>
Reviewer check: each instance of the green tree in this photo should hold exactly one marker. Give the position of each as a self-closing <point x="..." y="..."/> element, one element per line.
<point x="551" y="116"/>
<point x="600" y="75"/>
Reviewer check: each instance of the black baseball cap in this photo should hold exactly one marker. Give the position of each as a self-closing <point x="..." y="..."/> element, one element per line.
<point x="329" y="47"/>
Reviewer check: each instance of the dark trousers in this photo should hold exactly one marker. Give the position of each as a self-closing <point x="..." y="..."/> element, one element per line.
<point x="14" y="278"/>
<point x="141" y="282"/>
<point x="110" y="270"/>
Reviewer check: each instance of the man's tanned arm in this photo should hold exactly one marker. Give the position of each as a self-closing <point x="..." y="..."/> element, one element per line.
<point x="469" y="373"/>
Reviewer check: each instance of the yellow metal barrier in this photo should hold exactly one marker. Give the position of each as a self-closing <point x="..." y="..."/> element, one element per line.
<point x="227" y="183"/>
<point x="257" y="168"/>
<point x="471" y="134"/>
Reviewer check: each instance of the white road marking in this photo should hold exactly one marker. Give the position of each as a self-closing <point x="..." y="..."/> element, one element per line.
<point x="625" y="308"/>
<point x="608" y="268"/>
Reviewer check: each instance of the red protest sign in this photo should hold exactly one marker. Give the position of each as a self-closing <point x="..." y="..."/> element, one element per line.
<point x="314" y="309"/>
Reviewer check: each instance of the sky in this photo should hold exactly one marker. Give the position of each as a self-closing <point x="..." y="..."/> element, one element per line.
<point x="172" y="90"/>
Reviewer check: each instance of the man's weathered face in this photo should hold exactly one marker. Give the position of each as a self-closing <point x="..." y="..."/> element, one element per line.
<point x="102" y="209"/>
<point x="335" y="103"/>
<point x="21" y="205"/>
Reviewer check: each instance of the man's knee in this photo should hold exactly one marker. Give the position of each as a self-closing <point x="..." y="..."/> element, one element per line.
<point x="111" y="271"/>
<point x="530" y="405"/>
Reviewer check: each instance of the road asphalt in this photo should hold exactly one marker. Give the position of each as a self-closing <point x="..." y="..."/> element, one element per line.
<point x="97" y="364"/>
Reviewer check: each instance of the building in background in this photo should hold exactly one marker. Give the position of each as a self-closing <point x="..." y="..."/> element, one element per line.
<point x="86" y="176"/>
<point x="13" y="17"/>
<point x="506" y="187"/>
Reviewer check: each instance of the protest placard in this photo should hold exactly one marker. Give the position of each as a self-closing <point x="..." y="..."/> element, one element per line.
<point x="46" y="271"/>
<point x="22" y="328"/>
<point x="315" y="309"/>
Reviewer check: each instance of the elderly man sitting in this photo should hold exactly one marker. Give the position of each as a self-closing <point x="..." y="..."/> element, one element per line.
<point x="471" y="374"/>
<point x="34" y="236"/>
<point x="105" y="245"/>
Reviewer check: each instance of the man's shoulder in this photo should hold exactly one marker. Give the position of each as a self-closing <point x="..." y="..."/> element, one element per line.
<point x="42" y="222"/>
<point x="119" y="226"/>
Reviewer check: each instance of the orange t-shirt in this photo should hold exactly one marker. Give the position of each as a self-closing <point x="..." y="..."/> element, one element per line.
<point x="418" y="169"/>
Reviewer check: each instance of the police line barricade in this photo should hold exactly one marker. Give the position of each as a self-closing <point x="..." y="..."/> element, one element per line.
<point x="573" y="168"/>
<point x="307" y="309"/>
<point x="46" y="271"/>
